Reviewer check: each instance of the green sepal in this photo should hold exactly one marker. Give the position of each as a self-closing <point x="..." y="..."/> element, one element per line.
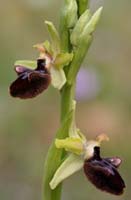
<point x="79" y="27"/>
<point x="58" y="78"/>
<point x="71" y="144"/>
<point x="71" y="164"/>
<point x="54" y="35"/>
<point x="63" y="59"/>
<point x="27" y="63"/>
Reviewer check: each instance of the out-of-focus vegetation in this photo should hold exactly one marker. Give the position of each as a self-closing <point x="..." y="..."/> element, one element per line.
<point x="28" y="127"/>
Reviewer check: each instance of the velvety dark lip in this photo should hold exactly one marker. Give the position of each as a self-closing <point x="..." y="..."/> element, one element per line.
<point x="103" y="173"/>
<point x="30" y="83"/>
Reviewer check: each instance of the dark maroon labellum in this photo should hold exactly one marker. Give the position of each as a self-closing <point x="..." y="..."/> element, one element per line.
<point x="30" y="82"/>
<point x="102" y="172"/>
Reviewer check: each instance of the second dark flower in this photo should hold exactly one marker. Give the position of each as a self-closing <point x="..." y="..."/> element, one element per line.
<point x="102" y="172"/>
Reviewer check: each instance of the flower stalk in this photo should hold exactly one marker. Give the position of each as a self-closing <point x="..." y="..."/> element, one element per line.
<point x="55" y="155"/>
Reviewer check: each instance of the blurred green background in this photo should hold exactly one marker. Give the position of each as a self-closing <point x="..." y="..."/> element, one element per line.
<point x="28" y="127"/>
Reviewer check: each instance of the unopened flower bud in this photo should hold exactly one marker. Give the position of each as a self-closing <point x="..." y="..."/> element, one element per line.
<point x="79" y="27"/>
<point x="70" y="13"/>
<point x="91" y="25"/>
<point x="82" y="4"/>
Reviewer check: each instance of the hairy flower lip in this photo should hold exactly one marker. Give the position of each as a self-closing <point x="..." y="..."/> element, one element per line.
<point x="102" y="172"/>
<point x="30" y="83"/>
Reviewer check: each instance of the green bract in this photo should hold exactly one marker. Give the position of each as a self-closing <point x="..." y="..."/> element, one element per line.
<point x="71" y="165"/>
<point x="79" y="27"/>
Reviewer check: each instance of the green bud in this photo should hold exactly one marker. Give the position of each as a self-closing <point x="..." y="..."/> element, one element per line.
<point x="79" y="27"/>
<point x="82" y="5"/>
<point x="55" y="39"/>
<point x="68" y="20"/>
<point x="83" y="45"/>
<point x="70" y="13"/>
<point x="91" y="25"/>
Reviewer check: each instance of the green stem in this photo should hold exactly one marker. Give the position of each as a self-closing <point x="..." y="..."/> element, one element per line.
<point x="54" y="154"/>
<point x="67" y="96"/>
